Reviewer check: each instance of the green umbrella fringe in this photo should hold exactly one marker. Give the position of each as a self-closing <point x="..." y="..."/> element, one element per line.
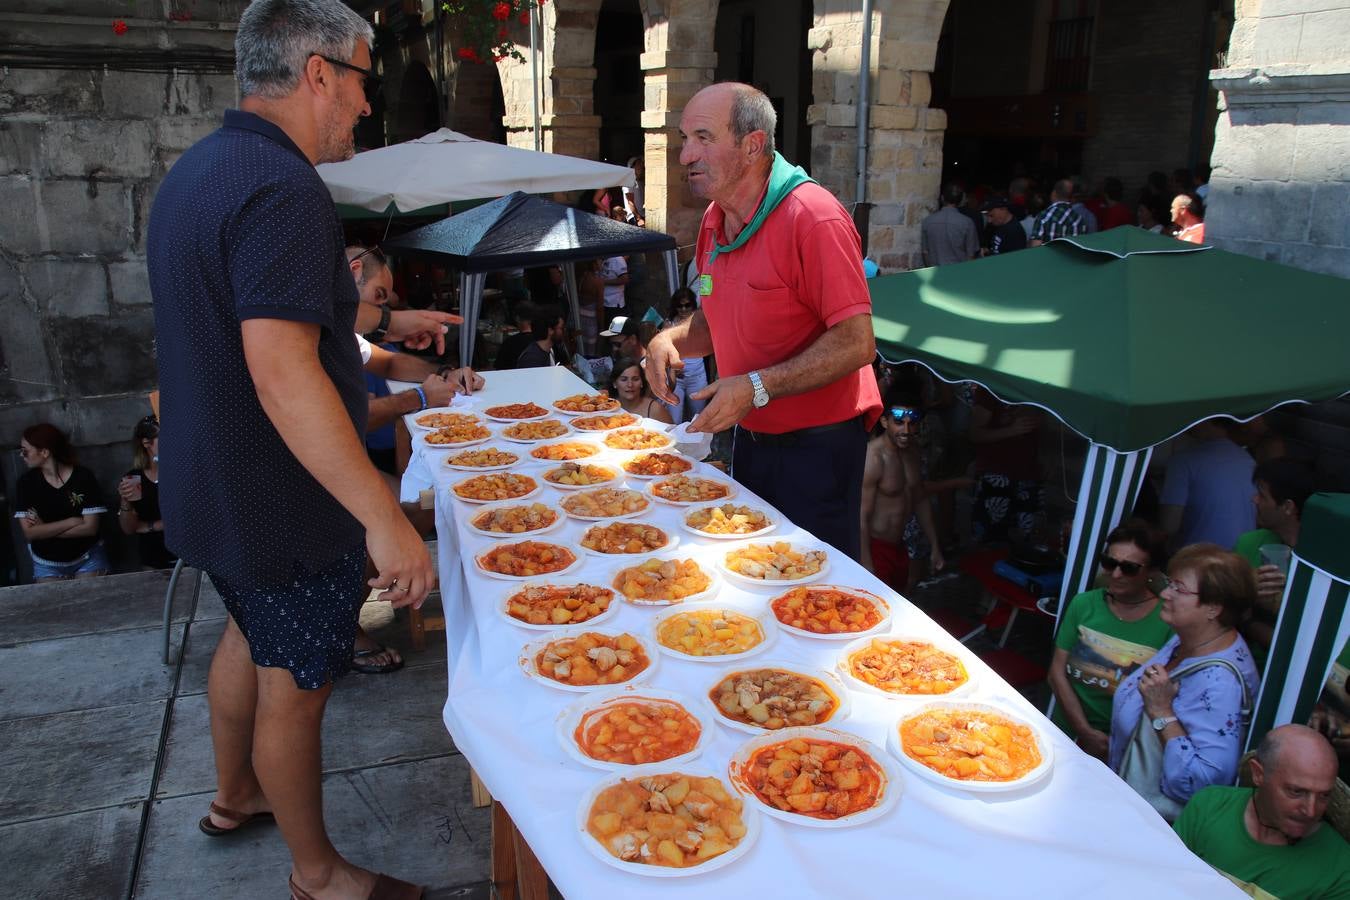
<point x="1069" y="425"/>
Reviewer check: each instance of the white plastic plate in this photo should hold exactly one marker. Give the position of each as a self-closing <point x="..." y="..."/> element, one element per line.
<point x="558" y="520"/>
<point x="444" y="410"/>
<point x="749" y="816"/>
<point x="730" y="486"/>
<point x="715" y="581"/>
<point x="614" y="605"/>
<point x="672" y="541"/>
<point x="684" y="523"/>
<point x="615" y="481"/>
<point x="830" y="680"/>
<point x="572" y="716"/>
<point x="575" y="564"/>
<point x="858" y="684"/>
<point x="777" y="583"/>
<point x="768" y="634"/>
<point x="877" y="629"/>
<point x="890" y="789"/>
<point x="896" y="745"/>
<point x="542" y="440"/>
<point x="597" y="412"/>
<point x="630" y="456"/>
<point x="667" y="440"/>
<point x="645" y="509"/>
<point x="537" y="488"/>
<point x="496" y="468"/>
<point x="534" y="648"/>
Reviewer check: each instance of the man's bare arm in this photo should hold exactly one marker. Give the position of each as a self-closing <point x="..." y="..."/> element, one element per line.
<point x="303" y="405"/>
<point x="843" y="348"/>
<point x="690" y="338"/>
<point x="871" y="483"/>
<point x="399" y="366"/>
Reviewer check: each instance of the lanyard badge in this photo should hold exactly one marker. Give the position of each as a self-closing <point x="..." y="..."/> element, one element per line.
<point x="705" y="285"/>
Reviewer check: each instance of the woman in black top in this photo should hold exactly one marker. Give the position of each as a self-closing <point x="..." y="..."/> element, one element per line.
<point x="58" y="504"/>
<point x="139" y="490"/>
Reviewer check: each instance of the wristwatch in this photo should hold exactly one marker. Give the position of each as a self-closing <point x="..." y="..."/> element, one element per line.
<point x="381" y="329"/>
<point x="1163" y="721"/>
<point x="761" y="396"/>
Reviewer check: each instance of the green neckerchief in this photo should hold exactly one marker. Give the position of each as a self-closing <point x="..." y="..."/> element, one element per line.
<point x="783" y="177"/>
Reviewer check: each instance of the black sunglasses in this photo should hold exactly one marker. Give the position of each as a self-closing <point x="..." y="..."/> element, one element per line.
<point x="1128" y="569"/>
<point x="370" y="82"/>
<point x="901" y="413"/>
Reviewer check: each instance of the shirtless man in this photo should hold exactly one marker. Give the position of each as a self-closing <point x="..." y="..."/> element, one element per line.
<point x="893" y="492"/>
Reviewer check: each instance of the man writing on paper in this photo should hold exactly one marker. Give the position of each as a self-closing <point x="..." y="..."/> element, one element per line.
<point x="786" y="309"/>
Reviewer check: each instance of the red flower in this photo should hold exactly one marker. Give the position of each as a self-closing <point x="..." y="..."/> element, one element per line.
<point x="468" y="53"/>
<point x="525" y="17"/>
<point x="501" y="12"/>
<point x="119" y="27"/>
<point x="501" y="33"/>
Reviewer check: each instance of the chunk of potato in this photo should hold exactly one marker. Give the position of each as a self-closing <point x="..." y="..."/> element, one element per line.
<point x="669" y="853"/>
<point x="607" y="823"/>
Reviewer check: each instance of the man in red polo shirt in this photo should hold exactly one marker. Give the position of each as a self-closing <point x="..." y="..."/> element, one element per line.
<point x="785" y="308"/>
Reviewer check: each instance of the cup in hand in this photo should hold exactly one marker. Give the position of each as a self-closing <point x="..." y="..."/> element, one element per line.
<point x="133" y="483"/>
<point x="1277" y="555"/>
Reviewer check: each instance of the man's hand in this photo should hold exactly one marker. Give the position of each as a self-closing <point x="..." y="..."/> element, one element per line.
<point x="1270" y="586"/>
<point x="935" y="559"/>
<point x="420" y="328"/>
<point x="403" y="566"/>
<point x="729" y="399"/>
<point x="661" y="365"/>
<point x="438" y="389"/>
<point x="464" y="381"/>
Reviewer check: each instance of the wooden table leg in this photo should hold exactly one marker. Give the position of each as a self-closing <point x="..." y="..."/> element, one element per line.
<point x="503" y="853"/>
<point x="531" y="879"/>
<point x="417" y="630"/>
<point x="478" y="791"/>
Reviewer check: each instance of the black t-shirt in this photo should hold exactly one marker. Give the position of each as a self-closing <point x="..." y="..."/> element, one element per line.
<point x="150" y="543"/>
<point x="242" y="228"/>
<point x="512" y="346"/>
<point x="1007" y="237"/>
<point x="79" y="496"/>
<point x="534" y="356"/>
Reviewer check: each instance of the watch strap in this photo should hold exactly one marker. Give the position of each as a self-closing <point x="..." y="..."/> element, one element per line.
<point x="380" y="330"/>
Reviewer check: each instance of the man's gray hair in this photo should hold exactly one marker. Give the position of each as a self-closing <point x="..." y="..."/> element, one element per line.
<point x="276" y="38"/>
<point x="752" y="111"/>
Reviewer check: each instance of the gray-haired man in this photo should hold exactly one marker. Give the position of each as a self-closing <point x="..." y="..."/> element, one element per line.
<point x="267" y="486"/>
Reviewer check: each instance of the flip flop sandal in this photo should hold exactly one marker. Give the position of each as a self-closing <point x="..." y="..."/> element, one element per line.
<point x="386" y="888"/>
<point x="210" y="829"/>
<point x="373" y="668"/>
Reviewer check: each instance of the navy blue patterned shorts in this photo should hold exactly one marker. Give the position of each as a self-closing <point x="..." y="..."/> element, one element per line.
<point x="306" y="627"/>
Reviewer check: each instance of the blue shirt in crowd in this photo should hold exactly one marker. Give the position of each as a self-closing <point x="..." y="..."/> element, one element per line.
<point x="1213" y="481"/>
<point x="243" y="228"/>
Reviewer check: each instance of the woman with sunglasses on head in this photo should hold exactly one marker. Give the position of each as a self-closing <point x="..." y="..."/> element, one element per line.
<point x="1107" y="633"/>
<point x="1196" y="714"/>
<point x="58" y="504"/>
<point x="139" y="489"/>
<point x="628" y="385"/>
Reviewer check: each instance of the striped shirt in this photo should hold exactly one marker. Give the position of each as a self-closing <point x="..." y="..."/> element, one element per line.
<point x="1058" y="220"/>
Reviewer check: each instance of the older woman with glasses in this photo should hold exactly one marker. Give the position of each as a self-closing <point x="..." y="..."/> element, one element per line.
<point x="1189" y="694"/>
<point x="1107" y="633"/>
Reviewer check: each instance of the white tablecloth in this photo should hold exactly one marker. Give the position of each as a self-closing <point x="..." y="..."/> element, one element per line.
<point x="1079" y="832"/>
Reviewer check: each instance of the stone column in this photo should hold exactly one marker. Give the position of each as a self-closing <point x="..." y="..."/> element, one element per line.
<point x="671" y="78"/>
<point x="567" y="118"/>
<point x="1280" y="187"/>
<point x="904" y="136"/>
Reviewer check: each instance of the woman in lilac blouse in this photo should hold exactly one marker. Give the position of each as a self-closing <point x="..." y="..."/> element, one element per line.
<point x="1198" y="719"/>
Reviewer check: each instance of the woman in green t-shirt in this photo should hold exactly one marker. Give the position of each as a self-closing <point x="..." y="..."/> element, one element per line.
<point x="1107" y="633"/>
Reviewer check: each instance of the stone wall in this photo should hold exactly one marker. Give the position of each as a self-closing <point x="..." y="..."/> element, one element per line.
<point x="904" y="136"/>
<point x="82" y="149"/>
<point x="1281" y="182"/>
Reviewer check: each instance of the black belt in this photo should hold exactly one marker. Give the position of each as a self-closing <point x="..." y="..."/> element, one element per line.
<point x="787" y="438"/>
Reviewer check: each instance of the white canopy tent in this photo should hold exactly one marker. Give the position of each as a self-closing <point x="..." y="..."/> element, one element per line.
<point x="445" y="166"/>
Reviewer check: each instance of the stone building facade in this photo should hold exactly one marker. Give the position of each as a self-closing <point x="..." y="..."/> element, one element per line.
<point x="90" y="120"/>
<point x="1281" y="184"/>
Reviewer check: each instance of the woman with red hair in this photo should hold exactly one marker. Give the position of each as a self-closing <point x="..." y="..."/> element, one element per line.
<point x="58" y="504"/>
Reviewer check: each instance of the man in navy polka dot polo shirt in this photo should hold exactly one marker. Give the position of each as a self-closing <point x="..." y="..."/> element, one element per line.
<point x="266" y="484"/>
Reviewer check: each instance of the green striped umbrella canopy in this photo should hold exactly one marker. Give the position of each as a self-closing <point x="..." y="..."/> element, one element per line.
<point x="1128" y="338"/>
<point x="1314" y="621"/>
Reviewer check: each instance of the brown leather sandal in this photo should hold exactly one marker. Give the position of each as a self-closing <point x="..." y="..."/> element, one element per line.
<point x="210" y="829"/>
<point x="386" y="888"/>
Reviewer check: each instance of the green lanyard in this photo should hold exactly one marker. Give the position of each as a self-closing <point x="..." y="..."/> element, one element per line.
<point x="783" y="178"/>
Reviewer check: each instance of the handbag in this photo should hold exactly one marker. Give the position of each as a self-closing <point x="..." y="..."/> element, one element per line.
<point x="1141" y="766"/>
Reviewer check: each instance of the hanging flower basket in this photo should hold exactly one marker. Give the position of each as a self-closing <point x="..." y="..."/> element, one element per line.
<point x="485" y="27"/>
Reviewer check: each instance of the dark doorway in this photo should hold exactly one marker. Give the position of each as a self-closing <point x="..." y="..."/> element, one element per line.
<point x="415" y="113"/>
<point x="618" y="80"/>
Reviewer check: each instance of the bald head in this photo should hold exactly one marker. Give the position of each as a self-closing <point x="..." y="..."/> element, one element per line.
<point x="1296" y="745"/>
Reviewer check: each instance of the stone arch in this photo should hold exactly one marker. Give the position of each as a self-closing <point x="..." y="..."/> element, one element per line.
<point x="416" y="111"/>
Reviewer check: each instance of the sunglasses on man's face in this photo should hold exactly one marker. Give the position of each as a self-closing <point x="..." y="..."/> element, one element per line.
<point x="1127" y="568"/>
<point x="899" y="414"/>
<point x="370" y="82"/>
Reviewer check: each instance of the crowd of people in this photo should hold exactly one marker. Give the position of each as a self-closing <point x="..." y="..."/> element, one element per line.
<point x="982" y="221"/>
<point x="279" y="472"/>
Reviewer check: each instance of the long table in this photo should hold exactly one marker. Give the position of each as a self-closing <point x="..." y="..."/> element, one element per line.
<point x="1079" y="831"/>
